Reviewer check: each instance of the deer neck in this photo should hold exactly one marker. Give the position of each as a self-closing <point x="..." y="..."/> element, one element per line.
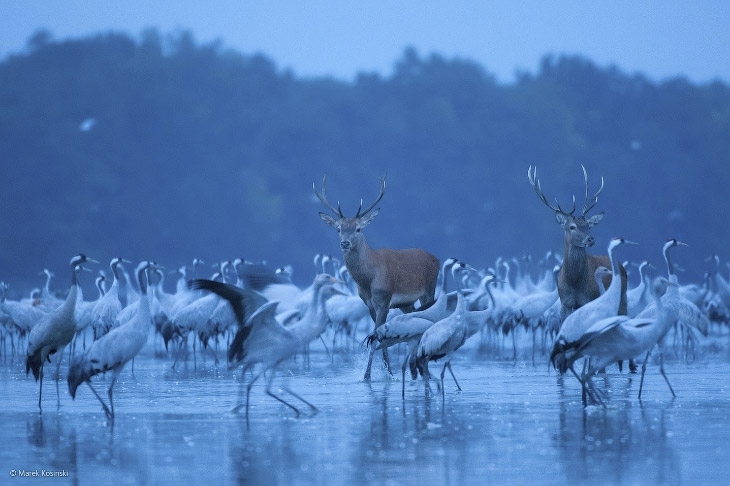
<point x="575" y="262"/>
<point x="360" y="263"/>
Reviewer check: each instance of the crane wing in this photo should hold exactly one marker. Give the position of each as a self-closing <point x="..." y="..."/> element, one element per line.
<point x="244" y="301"/>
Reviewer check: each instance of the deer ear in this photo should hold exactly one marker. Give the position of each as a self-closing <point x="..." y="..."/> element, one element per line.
<point x="368" y="218"/>
<point x="561" y="218"/>
<point x="595" y="219"/>
<point x="328" y="219"/>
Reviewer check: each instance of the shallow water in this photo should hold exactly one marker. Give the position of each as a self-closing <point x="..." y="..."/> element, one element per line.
<point x="513" y="422"/>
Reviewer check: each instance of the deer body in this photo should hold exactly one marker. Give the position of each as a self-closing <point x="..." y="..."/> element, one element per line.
<point x="390" y="276"/>
<point x="385" y="278"/>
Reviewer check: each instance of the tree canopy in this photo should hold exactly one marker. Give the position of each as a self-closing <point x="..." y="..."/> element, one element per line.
<point x="163" y="148"/>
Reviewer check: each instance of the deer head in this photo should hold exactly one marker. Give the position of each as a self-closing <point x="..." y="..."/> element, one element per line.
<point x="349" y="229"/>
<point x="577" y="227"/>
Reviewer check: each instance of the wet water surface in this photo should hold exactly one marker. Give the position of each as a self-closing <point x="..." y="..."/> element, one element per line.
<point x="513" y="422"/>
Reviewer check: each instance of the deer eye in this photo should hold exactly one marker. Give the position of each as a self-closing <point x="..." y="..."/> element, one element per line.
<point x="572" y="227"/>
<point x="359" y="229"/>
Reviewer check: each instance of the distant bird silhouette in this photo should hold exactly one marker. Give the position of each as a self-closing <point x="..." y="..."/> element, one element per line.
<point x="48" y="301"/>
<point x="722" y="286"/>
<point x="53" y="333"/>
<point x="84" y="312"/>
<point x="114" y="350"/>
<point x="106" y="308"/>
<point x="528" y="310"/>
<point x="261" y="339"/>
<point x="160" y="302"/>
<point x="22" y="314"/>
<point x="636" y="298"/>
<point x="192" y="318"/>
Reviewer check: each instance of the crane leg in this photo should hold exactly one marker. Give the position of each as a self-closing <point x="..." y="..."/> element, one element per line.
<point x="403" y="374"/>
<point x="661" y="369"/>
<point x="453" y="376"/>
<point x="111" y="397"/>
<point x="643" y="371"/>
<point x="40" y="391"/>
<point x="387" y="361"/>
<point x="58" y="378"/>
<point x="271" y="394"/>
<point x="106" y="409"/>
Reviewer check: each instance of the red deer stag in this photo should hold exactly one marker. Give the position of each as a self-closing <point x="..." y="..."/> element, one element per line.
<point x="385" y="278"/>
<point x="576" y="281"/>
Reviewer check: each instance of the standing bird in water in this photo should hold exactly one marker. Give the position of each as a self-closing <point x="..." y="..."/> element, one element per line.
<point x="114" y="350"/>
<point x="54" y="332"/>
<point x="260" y="338"/>
<point x="619" y="338"/>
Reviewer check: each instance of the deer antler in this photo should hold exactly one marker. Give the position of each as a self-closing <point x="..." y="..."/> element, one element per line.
<point x="323" y="198"/>
<point x="535" y="182"/>
<point x="589" y="203"/>
<point x="370" y="208"/>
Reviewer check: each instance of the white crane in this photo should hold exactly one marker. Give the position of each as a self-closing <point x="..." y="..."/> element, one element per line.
<point x="262" y="340"/>
<point x="48" y="301"/>
<point x="680" y="309"/>
<point x="115" y="349"/>
<point x="84" y="312"/>
<point x="23" y="315"/>
<point x="408" y="328"/>
<point x="193" y="317"/>
<point x="722" y="286"/>
<point x="575" y="324"/>
<point x="618" y="338"/>
<point x="528" y="310"/>
<point x="637" y="297"/>
<point x="274" y="286"/>
<point x="441" y="340"/>
<point x="106" y="309"/>
<point x="160" y="304"/>
<point x="182" y="297"/>
<point x="52" y="333"/>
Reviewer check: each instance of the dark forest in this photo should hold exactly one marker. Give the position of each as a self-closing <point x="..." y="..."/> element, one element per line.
<point x="159" y="147"/>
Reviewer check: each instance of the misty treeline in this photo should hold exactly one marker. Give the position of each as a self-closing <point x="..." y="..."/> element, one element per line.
<point x="160" y="147"/>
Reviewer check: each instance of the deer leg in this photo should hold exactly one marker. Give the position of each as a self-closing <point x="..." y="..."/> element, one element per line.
<point x="387" y="361"/>
<point x="403" y="375"/>
<point x="382" y="305"/>
<point x="370" y="364"/>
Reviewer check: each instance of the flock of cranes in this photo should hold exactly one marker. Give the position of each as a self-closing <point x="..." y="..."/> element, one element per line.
<point x="261" y="334"/>
<point x="574" y="311"/>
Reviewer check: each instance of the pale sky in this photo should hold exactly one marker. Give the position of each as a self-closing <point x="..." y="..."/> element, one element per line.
<point x="659" y="38"/>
